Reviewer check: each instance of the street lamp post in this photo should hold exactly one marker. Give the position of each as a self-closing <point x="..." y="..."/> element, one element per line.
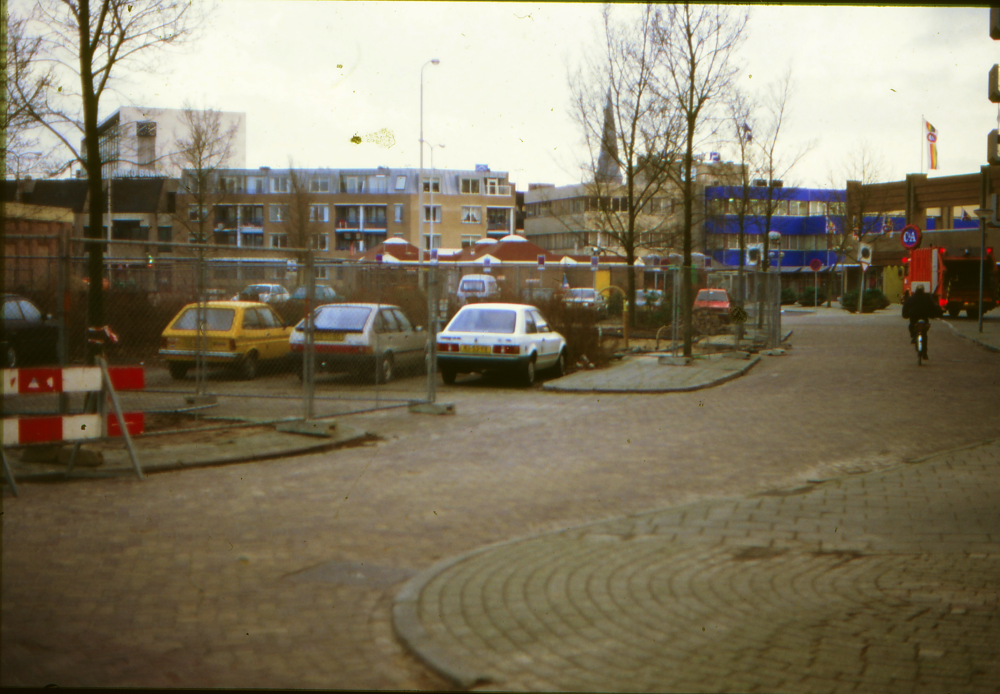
<point x="420" y="231"/>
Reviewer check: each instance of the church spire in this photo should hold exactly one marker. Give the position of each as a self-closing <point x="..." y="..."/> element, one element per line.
<point x="607" y="161"/>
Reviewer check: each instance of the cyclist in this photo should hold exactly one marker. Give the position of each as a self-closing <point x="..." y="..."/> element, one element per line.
<point x="921" y="305"/>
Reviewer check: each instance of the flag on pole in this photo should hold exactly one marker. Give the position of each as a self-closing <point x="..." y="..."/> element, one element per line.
<point x="931" y="135"/>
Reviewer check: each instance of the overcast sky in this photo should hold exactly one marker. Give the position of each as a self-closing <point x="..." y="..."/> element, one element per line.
<point x="310" y="75"/>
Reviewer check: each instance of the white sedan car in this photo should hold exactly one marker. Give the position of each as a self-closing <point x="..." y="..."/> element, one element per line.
<point x="499" y="337"/>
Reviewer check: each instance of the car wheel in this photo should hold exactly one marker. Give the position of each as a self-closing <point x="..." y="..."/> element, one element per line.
<point x="972" y="313"/>
<point x="953" y="311"/>
<point x="529" y="373"/>
<point x="10" y="358"/>
<point x="383" y="373"/>
<point x="448" y="376"/>
<point x="559" y="370"/>
<point x="177" y="370"/>
<point x="248" y="367"/>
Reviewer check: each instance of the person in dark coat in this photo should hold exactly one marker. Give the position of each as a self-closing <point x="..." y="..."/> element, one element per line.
<point x="921" y="305"/>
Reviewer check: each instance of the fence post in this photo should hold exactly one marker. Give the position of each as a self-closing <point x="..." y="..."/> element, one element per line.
<point x="309" y="354"/>
<point x="62" y="312"/>
<point x="432" y="329"/>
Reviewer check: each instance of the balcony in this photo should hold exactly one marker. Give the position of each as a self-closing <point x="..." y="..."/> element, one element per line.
<point x="499" y="190"/>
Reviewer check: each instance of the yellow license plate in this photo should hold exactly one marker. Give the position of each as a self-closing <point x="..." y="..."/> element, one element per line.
<point x="475" y="349"/>
<point x="328" y="336"/>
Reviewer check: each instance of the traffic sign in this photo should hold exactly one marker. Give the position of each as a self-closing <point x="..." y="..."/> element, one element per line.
<point x="864" y="266"/>
<point x="816" y="264"/>
<point x="910" y="238"/>
<point x="541" y="262"/>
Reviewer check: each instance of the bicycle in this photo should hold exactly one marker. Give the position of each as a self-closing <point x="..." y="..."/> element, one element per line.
<point x="920" y="339"/>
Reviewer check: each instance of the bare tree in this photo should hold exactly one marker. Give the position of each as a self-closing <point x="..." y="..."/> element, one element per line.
<point x="27" y="81"/>
<point x="741" y="113"/>
<point x="631" y="139"/>
<point x="774" y="164"/>
<point x="302" y="221"/>
<point x="699" y="45"/>
<point x="92" y="40"/>
<point x="201" y="154"/>
<point x="862" y="216"/>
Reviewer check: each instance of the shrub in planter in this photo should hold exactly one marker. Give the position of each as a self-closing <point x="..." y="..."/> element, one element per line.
<point x="788" y="296"/>
<point x="578" y="326"/>
<point x="811" y="297"/>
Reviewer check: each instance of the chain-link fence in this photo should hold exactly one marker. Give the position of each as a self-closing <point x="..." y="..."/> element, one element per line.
<point x="222" y="334"/>
<point x="258" y="335"/>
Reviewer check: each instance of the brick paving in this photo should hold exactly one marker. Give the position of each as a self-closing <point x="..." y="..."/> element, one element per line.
<point x="282" y="573"/>
<point x="878" y="582"/>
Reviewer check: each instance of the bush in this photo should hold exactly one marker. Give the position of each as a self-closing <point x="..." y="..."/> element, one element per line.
<point x="616" y="304"/>
<point x="810" y="296"/>
<point x="788" y="296"/>
<point x="872" y="300"/>
<point x="578" y="326"/>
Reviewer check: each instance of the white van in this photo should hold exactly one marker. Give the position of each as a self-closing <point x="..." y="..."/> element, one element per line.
<point x="477" y="287"/>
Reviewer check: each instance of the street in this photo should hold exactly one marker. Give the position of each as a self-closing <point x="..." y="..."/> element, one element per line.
<point x="282" y="573"/>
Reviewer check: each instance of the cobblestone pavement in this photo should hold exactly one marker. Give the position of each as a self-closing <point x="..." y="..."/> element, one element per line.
<point x="880" y="582"/>
<point x="282" y="573"/>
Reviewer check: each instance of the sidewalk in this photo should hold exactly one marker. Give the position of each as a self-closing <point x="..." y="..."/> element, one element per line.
<point x="872" y="583"/>
<point x="969" y="329"/>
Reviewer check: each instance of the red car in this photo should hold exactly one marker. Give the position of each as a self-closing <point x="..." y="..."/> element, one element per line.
<point x="713" y="301"/>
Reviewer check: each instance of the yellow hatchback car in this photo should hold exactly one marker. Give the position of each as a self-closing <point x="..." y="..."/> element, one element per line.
<point x="239" y="334"/>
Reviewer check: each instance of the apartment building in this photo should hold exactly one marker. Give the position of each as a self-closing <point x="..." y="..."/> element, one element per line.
<point x="352" y="210"/>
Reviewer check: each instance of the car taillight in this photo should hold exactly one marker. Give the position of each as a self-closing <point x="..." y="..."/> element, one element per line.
<point x="497" y="349"/>
<point x="512" y="349"/>
<point x="447" y="347"/>
<point x="943" y="302"/>
<point x="232" y="345"/>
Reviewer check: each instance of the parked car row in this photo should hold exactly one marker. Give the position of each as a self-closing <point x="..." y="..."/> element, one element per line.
<point x="374" y="339"/>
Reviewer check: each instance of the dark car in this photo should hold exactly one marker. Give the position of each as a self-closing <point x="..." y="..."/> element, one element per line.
<point x="27" y="336"/>
<point x="324" y="294"/>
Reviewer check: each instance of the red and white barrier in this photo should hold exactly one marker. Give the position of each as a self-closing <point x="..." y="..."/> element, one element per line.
<point x="72" y="379"/>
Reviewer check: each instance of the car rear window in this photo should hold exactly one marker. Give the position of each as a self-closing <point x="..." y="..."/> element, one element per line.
<point x="220" y="319"/>
<point x="473" y="286"/>
<point x="581" y="293"/>
<point x="342" y="318"/>
<point x="713" y="296"/>
<point x="484" y="320"/>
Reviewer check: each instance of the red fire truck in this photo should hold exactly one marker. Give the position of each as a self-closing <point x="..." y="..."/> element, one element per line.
<point x="952" y="275"/>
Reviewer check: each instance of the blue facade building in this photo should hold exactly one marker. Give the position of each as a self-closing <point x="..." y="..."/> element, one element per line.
<point x="809" y="220"/>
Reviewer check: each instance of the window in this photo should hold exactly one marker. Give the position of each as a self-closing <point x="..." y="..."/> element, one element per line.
<point x="277" y="213"/>
<point x="319" y="185"/>
<point x="798" y="208"/>
<point x="319" y="213"/>
<point x="255" y="185"/>
<point x="470" y="186"/>
<point x="398" y="212"/>
<point x="252" y="240"/>
<point x="279" y="240"/>
<point x="817" y="207"/>
<point x="252" y="215"/>
<point x="252" y="320"/>
<point x="193" y="213"/>
<point x="433" y="183"/>
<point x="351" y="185"/>
<point x="279" y="184"/>
<point x="375" y="217"/>
<point x="432" y="241"/>
<point x="400" y="182"/>
<point x="437" y="213"/>
<point x="837" y="208"/>
<point x="469" y="240"/>
<point x="321" y="242"/>
<point x="164" y="234"/>
<point x="472" y="215"/>
<point x="321" y="273"/>
<point x="376" y="184"/>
